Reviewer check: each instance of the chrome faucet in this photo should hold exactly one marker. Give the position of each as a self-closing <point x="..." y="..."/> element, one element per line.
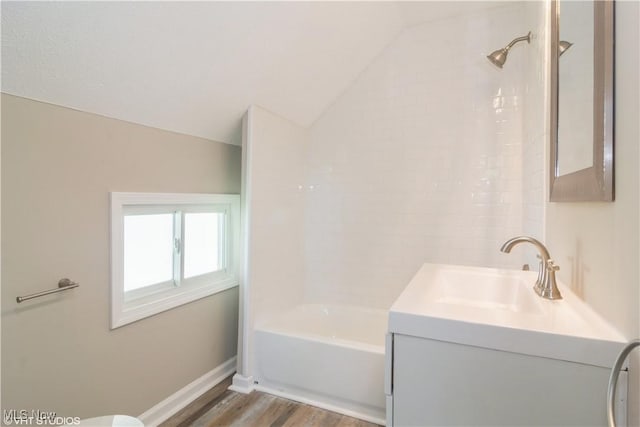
<point x="545" y="285"/>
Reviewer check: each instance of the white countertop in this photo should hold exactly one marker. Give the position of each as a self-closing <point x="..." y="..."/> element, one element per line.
<point x="498" y="309"/>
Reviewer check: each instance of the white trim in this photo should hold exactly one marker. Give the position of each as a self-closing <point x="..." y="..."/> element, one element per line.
<point x="245" y="321"/>
<point x="174" y="298"/>
<point x="172" y="198"/>
<point x="183" y="397"/>
<point x="125" y="311"/>
<point x="321" y="405"/>
<point x="242" y="384"/>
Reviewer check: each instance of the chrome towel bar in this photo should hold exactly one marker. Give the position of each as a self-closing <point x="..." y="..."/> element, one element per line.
<point x="63" y="285"/>
<point x="613" y="380"/>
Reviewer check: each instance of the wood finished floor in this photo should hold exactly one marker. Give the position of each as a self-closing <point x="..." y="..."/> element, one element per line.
<point x="222" y="407"/>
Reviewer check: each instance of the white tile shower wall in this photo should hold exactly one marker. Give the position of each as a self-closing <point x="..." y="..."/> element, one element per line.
<point x="419" y="160"/>
<point x="535" y="125"/>
<point x="274" y="149"/>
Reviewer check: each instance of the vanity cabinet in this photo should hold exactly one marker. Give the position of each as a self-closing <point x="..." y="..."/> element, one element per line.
<point x="437" y="383"/>
<point x="477" y="346"/>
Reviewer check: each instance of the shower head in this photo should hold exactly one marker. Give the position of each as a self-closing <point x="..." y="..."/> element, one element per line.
<point x="499" y="57"/>
<point x="563" y="46"/>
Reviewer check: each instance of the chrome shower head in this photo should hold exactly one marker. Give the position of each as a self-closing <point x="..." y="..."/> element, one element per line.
<point x="563" y="46"/>
<point x="499" y="57"/>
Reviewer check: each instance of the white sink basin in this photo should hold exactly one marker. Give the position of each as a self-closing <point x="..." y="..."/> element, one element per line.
<point x="484" y="289"/>
<point x="498" y="309"/>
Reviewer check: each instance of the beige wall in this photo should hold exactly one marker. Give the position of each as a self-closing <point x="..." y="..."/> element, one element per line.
<point x="58" y="354"/>
<point x="596" y="244"/>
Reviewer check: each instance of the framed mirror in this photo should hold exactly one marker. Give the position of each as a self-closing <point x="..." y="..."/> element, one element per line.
<point x="581" y="121"/>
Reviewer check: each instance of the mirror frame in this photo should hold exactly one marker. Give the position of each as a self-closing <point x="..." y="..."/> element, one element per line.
<point x="594" y="183"/>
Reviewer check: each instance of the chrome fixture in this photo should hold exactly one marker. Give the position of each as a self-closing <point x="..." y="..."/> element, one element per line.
<point x="563" y="46"/>
<point x="499" y="57"/>
<point x="613" y="379"/>
<point x="63" y="285"/>
<point x="545" y="285"/>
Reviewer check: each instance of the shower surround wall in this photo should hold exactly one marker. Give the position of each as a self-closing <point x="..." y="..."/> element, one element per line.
<point x="420" y="160"/>
<point x="273" y="215"/>
<point x="535" y="124"/>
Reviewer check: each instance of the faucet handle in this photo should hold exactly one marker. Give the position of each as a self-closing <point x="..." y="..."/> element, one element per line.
<point x="549" y="288"/>
<point x="551" y="266"/>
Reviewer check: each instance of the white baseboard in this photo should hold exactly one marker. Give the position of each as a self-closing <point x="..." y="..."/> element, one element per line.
<point x="183" y="397"/>
<point x="242" y="384"/>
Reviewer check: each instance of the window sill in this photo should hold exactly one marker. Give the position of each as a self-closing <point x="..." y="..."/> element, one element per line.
<point x="141" y="308"/>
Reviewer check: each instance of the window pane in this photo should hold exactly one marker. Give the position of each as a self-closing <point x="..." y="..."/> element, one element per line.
<point x="148" y="250"/>
<point x="201" y="243"/>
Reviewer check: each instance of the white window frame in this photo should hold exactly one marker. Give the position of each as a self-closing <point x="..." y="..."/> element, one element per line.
<point x="138" y="304"/>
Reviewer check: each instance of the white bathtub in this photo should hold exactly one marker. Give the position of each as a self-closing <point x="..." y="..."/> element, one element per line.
<point x="325" y="355"/>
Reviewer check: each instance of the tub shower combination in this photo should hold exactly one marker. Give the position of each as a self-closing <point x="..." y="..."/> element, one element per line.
<point x="331" y="356"/>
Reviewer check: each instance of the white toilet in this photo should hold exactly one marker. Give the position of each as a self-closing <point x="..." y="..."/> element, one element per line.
<point x="111" y="421"/>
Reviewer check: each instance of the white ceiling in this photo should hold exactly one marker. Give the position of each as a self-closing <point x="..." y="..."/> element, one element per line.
<point x="195" y="67"/>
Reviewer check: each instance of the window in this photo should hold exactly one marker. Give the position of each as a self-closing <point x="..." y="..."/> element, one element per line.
<point x="170" y="249"/>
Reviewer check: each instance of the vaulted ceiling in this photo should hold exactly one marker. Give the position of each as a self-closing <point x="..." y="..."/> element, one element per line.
<point x="195" y="67"/>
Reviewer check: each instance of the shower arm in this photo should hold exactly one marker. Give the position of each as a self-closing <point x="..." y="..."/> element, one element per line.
<point x="526" y="38"/>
